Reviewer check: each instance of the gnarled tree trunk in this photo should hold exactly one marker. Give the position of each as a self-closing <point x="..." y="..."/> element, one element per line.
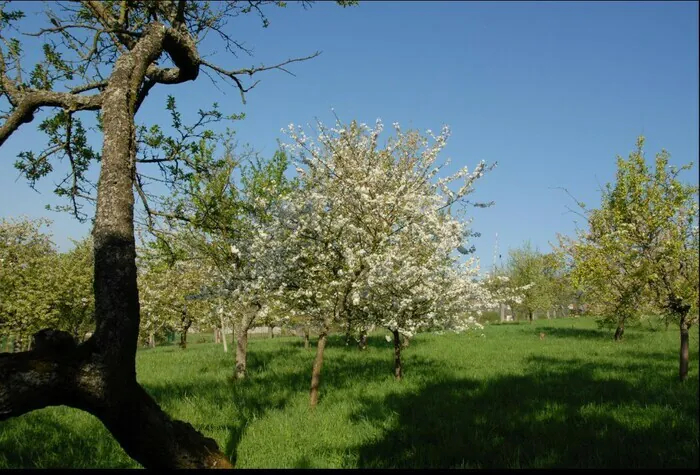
<point x="99" y="375"/>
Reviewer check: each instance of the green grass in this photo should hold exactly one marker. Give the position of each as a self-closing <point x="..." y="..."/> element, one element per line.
<point x="574" y="399"/>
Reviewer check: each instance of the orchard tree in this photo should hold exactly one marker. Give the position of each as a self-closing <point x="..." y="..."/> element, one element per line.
<point x="365" y="218"/>
<point x="528" y="266"/>
<point x="104" y="58"/>
<point x="662" y="222"/>
<point x="27" y="260"/>
<point x="227" y="227"/>
<point x="640" y="251"/>
<point x="503" y="291"/>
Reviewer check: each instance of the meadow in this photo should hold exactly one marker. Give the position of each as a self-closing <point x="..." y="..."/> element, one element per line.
<point x="575" y="399"/>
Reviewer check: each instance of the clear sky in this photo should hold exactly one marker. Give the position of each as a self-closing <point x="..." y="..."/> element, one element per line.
<point x="551" y="91"/>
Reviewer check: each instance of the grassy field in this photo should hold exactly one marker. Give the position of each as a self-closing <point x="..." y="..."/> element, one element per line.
<point x="507" y="399"/>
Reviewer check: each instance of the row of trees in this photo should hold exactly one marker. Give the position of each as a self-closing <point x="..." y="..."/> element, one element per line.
<point x="364" y="236"/>
<point x="539" y="283"/>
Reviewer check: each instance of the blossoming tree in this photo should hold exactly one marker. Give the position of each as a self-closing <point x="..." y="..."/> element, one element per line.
<point x="371" y="229"/>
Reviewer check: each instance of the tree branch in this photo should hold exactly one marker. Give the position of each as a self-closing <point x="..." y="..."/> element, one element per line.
<point x="232" y="74"/>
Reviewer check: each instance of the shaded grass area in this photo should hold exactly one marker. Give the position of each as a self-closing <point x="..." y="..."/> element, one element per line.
<point x="508" y="399"/>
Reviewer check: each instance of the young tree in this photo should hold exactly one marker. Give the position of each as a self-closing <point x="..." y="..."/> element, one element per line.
<point x="107" y="57"/>
<point x="370" y="228"/>
<point x="641" y="248"/>
<point x="529" y="266"/>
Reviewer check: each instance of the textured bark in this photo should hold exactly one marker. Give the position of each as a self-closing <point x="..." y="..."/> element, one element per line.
<point x="241" y="353"/>
<point x="242" y="346"/>
<point x="99" y="376"/>
<point x="151" y="340"/>
<point x="58" y="372"/>
<point x="316" y="370"/>
<point x="397" y="355"/>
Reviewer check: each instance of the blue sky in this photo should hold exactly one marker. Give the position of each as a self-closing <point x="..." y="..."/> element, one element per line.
<point x="551" y="91"/>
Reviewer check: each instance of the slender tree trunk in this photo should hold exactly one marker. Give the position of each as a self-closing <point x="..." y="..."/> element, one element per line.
<point x="397" y="355"/>
<point x="151" y="340"/>
<point x="318" y="364"/>
<point x="529" y="315"/>
<point x="503" y="311"/>
<point x="270" y="333"/>
<point x="619" y="332"/>
<point x="685" y="338"/>
<point x="223" y="333"/>
<point x="363" y="340"/>
<point x="548" y="317"/>
<point x="241" y="352"/>
<point x="306" y="338"/>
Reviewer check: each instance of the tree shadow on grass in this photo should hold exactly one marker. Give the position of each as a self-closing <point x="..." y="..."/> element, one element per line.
<point x="560" y="415"/>
<point x="42" y="440"/>
<point x="276" y="375"/>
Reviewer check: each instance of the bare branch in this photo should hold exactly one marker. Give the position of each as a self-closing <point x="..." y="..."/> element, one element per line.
<point x="233" y="74"/>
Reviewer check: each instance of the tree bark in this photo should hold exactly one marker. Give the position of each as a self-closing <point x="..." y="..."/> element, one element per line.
<point x="529" y="315"/>
<point x="99" y="376"/>
<point x="223" y="334"/>
<point x="503" y="311"/>
<point x="242" y="345"/>
<point x="151" y="340"/>
<point x="397" y="355"/>
<point x="306" y="338"/>
<point x="241" y="352"/>
<point x="59" y="372"/>
<point x="316" y="370"/>
<point x="271" y="331"/>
